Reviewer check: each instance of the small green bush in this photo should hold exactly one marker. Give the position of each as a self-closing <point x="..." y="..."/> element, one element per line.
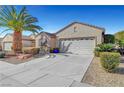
<point x="97" y="52"/>
<point x="105" y="47"/>
<point x="2" y="55"/>
<point x="51" y="50"/>
<point x="109" y="60"/>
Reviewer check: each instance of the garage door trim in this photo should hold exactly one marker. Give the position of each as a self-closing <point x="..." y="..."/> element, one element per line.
<point x="80" y="38"/>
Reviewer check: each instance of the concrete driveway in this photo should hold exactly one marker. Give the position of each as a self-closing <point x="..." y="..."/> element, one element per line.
<point x="62" y="70"/>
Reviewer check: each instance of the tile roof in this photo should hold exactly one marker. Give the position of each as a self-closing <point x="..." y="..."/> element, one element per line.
<point x="79" y="23"/>
<point x="23" y="37"/>
<point x="49" y="34"/>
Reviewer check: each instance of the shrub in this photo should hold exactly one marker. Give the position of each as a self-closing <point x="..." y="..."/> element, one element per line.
<point x="121" y="43"/>
<point x="110" y="61"/>
<point x="97" y="51"/>
<point x="103" y="48"/>
<point x="2" y="55"/>
<point x="51" y="50"/>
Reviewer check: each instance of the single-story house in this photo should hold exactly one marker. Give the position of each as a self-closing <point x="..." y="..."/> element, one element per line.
<point x="7" y="41"/>
<point x="77" y="37"/>
<point x="81" y="37"/>
<point x="43" y="37"/>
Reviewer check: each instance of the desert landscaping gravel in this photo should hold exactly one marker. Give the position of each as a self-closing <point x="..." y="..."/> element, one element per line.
<point x="97" y="76"/>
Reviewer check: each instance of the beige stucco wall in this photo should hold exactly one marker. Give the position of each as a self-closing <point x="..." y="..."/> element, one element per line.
<point x="32" y="36"/>
<point x="51" y="40"/>
<point x="81" y="31"/>
<point x="8" y="38"/>
<point x="27" y="43"/>
<point x="37" y="41"/>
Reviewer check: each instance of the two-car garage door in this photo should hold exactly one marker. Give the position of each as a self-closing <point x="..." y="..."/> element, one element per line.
<point x="80" y="46"/>
<point x="7" y="46"/>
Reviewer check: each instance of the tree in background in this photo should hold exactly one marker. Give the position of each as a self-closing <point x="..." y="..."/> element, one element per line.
<point x="108" y="38"/>
<point x="119" y="35"/>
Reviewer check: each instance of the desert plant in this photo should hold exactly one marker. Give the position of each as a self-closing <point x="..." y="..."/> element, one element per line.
<point x="51" y="50"/>
<point x="121" y="43"/>
<point x="105" y="47"/>
<point x="64" y="48"/>
<point x="120" y="46"/>
<point x="110" y="61"/>
<point x="61" y="46"/>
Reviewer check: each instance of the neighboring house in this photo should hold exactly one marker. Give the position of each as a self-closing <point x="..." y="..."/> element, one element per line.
<point x="43" y="37"/>
<point x="32" y="36"/>
<point x="8" y="40"/>
<point x="81" y="37"/>
<point x="1" y="40"/>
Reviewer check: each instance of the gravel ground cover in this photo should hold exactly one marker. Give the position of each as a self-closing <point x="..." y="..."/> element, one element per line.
<point x="97" y="76"/>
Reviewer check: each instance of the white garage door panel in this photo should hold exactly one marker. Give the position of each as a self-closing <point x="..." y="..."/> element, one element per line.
<point x="80" y="46"/>
<point x="7" y="46"/>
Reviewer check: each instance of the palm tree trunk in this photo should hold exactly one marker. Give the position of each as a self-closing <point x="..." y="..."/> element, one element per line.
<point x="17" y="41"/>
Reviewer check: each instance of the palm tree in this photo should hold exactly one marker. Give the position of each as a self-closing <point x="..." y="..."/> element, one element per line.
<point x="17" y="21"/>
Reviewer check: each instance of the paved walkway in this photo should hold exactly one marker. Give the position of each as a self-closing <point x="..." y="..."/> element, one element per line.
<point x="63" y="70"/>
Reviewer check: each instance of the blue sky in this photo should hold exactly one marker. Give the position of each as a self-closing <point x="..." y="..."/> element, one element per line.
<point x="52" y="18"/>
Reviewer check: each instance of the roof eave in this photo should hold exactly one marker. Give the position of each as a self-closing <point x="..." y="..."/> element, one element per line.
<point x="103" y="29"/>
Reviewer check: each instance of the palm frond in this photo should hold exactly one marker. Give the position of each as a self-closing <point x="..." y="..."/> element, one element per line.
<point x="33" y="29"/>
<point x="31" y="20"/>
<point x="13" y="12"/>
<point x="21" y="13"/>
<point x="18" y="21"/>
